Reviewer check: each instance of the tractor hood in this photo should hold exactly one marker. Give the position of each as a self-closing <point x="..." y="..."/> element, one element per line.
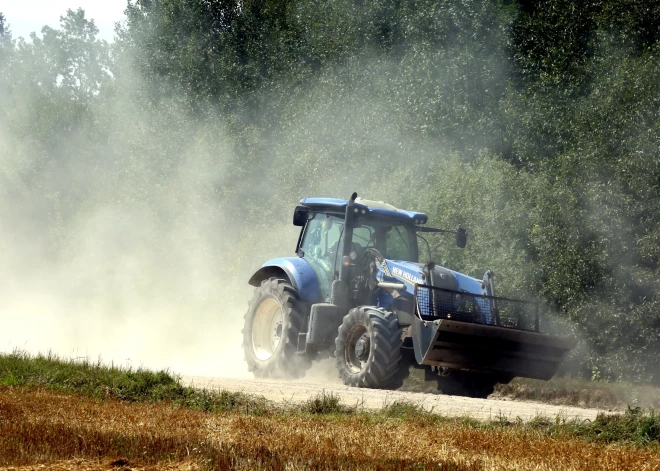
<point x="413" y="273"/>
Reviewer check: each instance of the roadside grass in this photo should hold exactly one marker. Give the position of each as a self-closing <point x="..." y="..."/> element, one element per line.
<point x="20" y="371"/>
<point x="102" y="381"/>
<point x="58" y="429"/>
<point x="635" y="426"/>
<point x="581" y="392"/>
<point x="326" y="403"/>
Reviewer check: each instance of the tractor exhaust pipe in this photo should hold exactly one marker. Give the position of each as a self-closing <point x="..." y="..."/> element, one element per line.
<point x="340" y="292"/>
<point x="348" y="238"/>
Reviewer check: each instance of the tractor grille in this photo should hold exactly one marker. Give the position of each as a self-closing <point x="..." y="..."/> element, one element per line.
<point x="438" y="303"/>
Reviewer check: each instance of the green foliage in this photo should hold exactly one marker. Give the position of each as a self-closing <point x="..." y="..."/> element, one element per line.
<point x="101" y="381"/>
<point x="405" y="410"/>
<point x="325" y="403"/>
<point x="19" y="369"/>
<point x="532" y="124"/>
<point x="635" y="426"/>
<point x="5" y="32"/>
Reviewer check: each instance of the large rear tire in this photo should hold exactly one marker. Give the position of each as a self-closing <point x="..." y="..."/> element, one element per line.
<point x="368" y="348"/>
<point x="273" y="322"/>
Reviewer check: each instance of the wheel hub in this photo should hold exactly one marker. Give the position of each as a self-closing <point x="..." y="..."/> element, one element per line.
<point x="267" y="328"/>
<point x="276" y="333"/>
<point x="362" y="348"/>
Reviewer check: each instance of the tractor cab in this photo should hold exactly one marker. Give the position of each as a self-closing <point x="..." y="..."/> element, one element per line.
<point x="377" y="227"/>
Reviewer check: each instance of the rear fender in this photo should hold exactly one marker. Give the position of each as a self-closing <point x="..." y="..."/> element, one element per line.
<point x="294" y="269"/>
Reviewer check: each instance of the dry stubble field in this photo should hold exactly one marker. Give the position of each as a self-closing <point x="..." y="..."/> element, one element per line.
<point x="46" y="429"/>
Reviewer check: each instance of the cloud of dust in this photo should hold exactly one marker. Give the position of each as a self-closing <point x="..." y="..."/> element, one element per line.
<point x="131" y="239"/>
<point x="120" y="246"/>
<point x="136" y="284"/>
<point x="133" y="246"/>
<point x="136" y="245"/>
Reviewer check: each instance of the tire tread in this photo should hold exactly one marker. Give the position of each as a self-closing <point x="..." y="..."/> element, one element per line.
<point x="285" y="363"/>
<point x="383" y="363"/>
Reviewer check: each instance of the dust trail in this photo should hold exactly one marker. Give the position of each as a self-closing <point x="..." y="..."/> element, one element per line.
<point x="117" y="242"/>
<point x="129" y="232"/>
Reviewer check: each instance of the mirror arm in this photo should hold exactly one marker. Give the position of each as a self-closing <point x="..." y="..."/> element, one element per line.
<point x="428" y="247"/>
<point x="433" y="229"/>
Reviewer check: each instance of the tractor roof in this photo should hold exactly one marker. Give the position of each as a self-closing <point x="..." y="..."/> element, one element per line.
<point x="375" y="208"/>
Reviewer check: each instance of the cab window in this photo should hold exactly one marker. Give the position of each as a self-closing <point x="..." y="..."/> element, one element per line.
<point x="320" y="244"/>
<point x="393" y="241"/>
<point x="364" y="236"/>
<point x="397" y="244"/>
<point x="322" y="238"/>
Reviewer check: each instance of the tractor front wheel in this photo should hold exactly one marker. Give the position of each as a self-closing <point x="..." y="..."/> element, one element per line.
<point x="273" y="322"/>
<point x="368" y="348"/>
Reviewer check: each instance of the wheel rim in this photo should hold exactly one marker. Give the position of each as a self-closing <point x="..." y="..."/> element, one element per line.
<point x="358" y="348"/>
<point x="267" y="328"/>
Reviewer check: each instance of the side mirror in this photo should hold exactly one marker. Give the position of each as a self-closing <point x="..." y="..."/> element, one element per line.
<point x="461" y="237"/>
<point x="300" y="216"/>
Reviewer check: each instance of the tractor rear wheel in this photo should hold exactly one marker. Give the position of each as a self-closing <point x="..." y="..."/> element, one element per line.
<point x="368" y="348"/>
<point x="273" y="323"/>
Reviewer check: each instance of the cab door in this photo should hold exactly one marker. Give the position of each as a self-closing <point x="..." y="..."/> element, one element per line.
<point x="320" y="246"/>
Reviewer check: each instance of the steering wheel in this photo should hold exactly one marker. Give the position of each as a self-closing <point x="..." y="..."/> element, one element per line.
<point x="322" y="261"/>
<point x="324" y="264"/>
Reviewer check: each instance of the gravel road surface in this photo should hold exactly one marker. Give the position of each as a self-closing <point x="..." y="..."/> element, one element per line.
<point x="294" y="392"/>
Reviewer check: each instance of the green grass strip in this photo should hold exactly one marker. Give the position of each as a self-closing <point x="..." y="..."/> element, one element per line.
<point x="19" y="369"/>
<point x="98" y="380"/>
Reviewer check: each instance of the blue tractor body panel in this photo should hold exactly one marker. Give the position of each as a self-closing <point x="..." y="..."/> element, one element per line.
<point x="412" y="273"/>
<point x="300" y="273"/>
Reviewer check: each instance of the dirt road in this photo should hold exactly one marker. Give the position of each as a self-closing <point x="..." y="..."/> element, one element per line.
<point x="295" y="392"/>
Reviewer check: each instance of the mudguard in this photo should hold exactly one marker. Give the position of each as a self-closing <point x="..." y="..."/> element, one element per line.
<point x="299" y="272"/>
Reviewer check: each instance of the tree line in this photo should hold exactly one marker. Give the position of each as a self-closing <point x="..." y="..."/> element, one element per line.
<point x="535" y="125"/>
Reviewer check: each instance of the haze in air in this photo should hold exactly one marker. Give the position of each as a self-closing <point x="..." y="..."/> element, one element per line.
<point x="143" y="181"/>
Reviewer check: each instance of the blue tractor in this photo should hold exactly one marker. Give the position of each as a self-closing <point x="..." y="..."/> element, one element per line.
<point x="357" y="289"/>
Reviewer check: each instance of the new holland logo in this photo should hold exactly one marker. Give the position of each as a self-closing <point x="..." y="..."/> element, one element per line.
<point x="404" y="275"/>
